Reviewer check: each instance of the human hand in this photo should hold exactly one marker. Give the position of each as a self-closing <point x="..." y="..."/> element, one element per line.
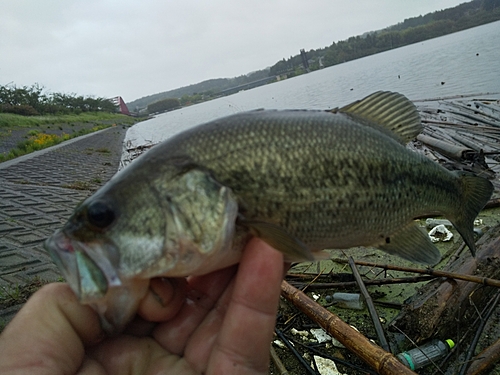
<point x="220" y="323"/>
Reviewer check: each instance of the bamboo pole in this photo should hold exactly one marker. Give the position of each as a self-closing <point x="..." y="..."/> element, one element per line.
<point x="383" y="362"/>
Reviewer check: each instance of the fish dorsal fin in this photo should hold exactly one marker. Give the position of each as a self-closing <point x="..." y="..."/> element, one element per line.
<point x="280" y="239"/>
<point x="412" y="243"/>
<point x="390" y="111"/>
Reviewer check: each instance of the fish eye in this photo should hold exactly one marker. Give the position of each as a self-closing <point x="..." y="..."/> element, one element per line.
<point x="100" y="215"/>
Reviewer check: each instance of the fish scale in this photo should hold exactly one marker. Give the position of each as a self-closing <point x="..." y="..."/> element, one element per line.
<point x="324" y="180"/>
<point x="303" y="181"/>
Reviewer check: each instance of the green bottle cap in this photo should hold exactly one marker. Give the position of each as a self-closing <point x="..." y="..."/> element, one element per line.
<point x="450" y="343"/>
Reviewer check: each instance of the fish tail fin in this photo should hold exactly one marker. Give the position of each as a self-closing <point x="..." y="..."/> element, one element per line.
<point x="476" y="191"/>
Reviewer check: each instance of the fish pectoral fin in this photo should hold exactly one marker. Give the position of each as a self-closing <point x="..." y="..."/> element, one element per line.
<point x="391" y="112"/>
<point x="412" y="243"/>
<point x="280" y="239"/>
<point x="321" y="255"/>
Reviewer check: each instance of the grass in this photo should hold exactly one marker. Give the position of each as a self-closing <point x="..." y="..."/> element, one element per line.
<point x="9" y="120"/>
<point x="5" y="134"/>
<point x="33" y="132"/>
<point x="80" y="185"/>
<point x="103" y="150"/>
<point x="38" y="141"/>
<point x="12" y="295"/>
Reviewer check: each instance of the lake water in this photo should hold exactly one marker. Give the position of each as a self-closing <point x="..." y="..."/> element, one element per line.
<point x="468" y="62"/>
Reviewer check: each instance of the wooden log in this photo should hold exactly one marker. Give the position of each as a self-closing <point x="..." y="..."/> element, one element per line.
<point x="484" y="361"/>
<point x="442" y="305"/>
<point x="380" y="360"/>
<point x="495" y="202"/>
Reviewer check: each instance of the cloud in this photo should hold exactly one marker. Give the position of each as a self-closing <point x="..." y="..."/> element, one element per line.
<point x="131" y="48"/>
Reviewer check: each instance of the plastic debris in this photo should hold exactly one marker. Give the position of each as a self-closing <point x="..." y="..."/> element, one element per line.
<point x="304" y="334"/>
<point x="320" y="335"/>
<point x="337" y="343"/>
<point x="326" y="366"/>
<point x="431" y="223"/>
<point x="479" y="231"/>
<point x="425" y="354"/>
<point x="279" y="344"/>
<point x="354" y="301"/>
<point x="440" y="233"/>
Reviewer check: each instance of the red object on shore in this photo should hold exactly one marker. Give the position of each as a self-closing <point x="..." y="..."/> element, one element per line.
<point x="121" y="105"/>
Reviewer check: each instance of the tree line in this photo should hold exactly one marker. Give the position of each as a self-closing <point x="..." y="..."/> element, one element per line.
<point x="411" y="30"/>
<point x="32" y="101"/>
<point x="163" y="105"/>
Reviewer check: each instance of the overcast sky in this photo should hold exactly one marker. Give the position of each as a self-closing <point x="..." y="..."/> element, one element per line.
<point x="137" y="48"/>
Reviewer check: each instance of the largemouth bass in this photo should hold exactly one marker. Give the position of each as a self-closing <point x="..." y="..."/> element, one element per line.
<point x="303" y="181"/>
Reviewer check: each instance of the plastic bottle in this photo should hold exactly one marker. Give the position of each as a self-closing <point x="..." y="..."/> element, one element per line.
<point x="425" y="354"/>
<point x="353" y="301"/>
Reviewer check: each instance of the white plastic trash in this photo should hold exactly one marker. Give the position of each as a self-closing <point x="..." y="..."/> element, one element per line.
<point x="440" y="233"/>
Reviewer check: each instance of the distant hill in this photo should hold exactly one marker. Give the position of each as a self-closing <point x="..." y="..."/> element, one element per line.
<point x="411" y="30"/>
<point x="201" y="90"/>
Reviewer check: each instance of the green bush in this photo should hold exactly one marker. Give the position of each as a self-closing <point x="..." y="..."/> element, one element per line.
<point x="23" y="110"/>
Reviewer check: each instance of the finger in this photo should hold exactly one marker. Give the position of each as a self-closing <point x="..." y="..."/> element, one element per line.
<point x="164" y="299"/>
<point x="240" y="327"/>
<point x="200" y="344"/>
<point x="251" y="315"/>
<point x="203" y="292"/>
<point x="48" y="335"/>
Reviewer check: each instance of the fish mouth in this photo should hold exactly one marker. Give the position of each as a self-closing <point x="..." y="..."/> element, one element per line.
<point x="92" y="274"/>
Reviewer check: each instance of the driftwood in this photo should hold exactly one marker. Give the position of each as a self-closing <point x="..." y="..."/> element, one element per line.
<point x="277" y="362"/>
<point x="442" y="307"/>
<point x="428" y="271"/>
<point x="485" y="360"/>
<point x="493" y="203"/>
<point x="354" y="284"/>
<point x="382" y="361"/>
<point x="462" y="134"/>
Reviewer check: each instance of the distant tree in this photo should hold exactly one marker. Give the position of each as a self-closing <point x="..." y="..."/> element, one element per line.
<point x="163" y="105"/>
<point x="490" y="4"/>
<point x="280" y="67"/>
<point x="32" y="101"/>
